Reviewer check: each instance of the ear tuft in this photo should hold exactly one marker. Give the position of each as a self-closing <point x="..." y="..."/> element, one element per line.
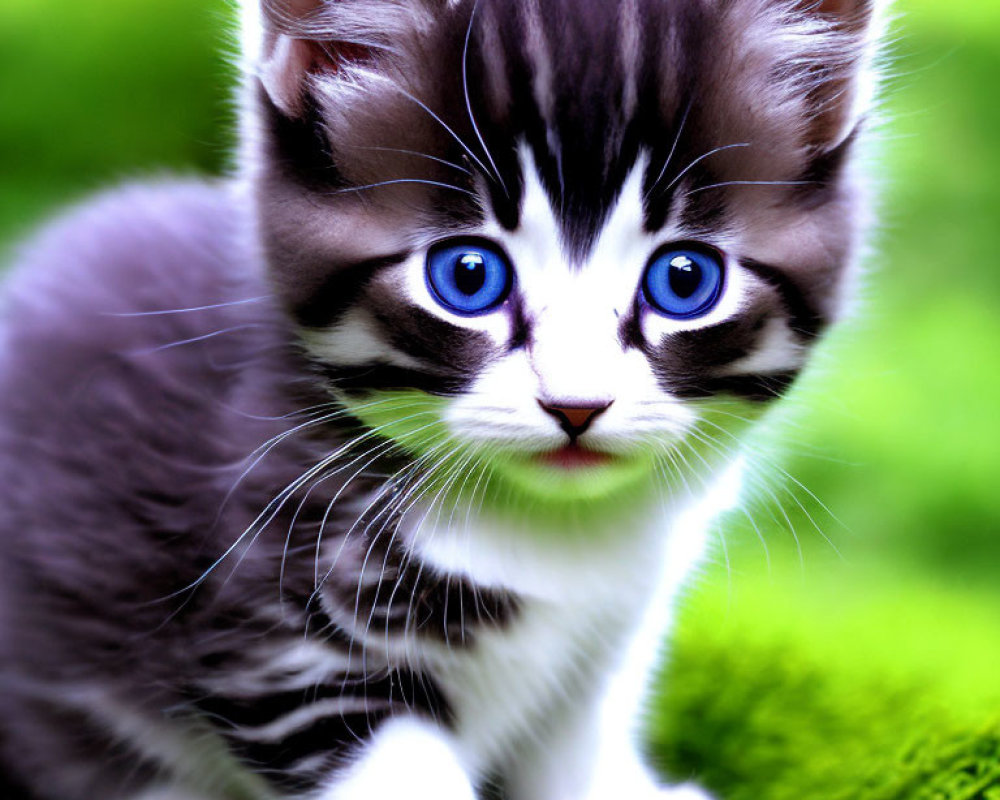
<point x="302" y="38"/>
<point x="847" y="79"/>
<point x="287" y="63"/>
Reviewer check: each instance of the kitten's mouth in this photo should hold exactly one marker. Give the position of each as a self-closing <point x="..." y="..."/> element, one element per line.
<point x="574" y="473"/>
<point x="572" y="456"/>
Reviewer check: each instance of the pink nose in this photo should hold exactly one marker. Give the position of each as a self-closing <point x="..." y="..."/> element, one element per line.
<point x="574" y="419"/>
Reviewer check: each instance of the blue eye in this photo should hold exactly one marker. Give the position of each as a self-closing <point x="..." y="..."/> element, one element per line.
<point x="469" y="276"/>
<point x="683" y="280"/>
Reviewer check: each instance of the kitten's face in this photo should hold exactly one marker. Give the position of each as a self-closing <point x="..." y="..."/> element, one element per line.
<point x="576" y="241"/>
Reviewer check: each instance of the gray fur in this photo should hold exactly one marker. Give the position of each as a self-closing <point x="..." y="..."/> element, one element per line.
<point x="158" y="550"/>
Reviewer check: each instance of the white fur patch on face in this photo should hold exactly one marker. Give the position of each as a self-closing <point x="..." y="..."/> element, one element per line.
<point x="575" y="355"/>
<point x="354" y="340"/>
<point x="780" y="351"/>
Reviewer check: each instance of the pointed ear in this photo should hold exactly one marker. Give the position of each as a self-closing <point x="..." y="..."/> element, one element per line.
<point x="847" y="79"/>
<point x="286" y="60"/>
<point x="303" y="38"/>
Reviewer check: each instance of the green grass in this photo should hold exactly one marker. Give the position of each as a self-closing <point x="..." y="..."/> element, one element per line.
<point x="114" y="90"/>
<point x="772" y="694"/>
<point x="866" y="676"/>
<point x="874" y="676"/>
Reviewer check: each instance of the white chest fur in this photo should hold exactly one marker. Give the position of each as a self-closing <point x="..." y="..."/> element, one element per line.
<point x="588" y="632"/>
<point x="514" y="683"/>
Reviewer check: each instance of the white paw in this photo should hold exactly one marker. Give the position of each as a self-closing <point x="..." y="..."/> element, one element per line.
<point x="643" y="787"/>
<point x="407" y="758"/>
<point x="686" y="791"/>
<point x="166" y="793"/>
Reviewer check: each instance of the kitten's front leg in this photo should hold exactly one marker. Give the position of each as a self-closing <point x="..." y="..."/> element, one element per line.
<point x="620" y="772"/>
<point x="589" y="749"/>
<point x="587" y="756"/>
<point x="617" y="767"/>
<point x="407" y="758"/>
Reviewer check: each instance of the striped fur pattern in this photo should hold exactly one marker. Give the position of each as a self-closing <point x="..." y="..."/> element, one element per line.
<point x="446" y="125"/>
<point x="220" y="579"/>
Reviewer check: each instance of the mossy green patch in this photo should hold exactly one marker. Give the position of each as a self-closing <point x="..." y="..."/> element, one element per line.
<point x="771" y="695"/>
<point x="505" y="482"/>
<point x="533" y="478"/>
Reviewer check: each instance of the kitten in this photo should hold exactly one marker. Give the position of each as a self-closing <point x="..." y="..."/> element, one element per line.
<point x="376" y="470"/>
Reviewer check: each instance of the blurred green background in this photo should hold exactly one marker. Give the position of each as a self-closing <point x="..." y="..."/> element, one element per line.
<point x="855" y="654"/>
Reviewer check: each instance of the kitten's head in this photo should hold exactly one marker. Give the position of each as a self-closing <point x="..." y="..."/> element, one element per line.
<point x="572" y="240"/>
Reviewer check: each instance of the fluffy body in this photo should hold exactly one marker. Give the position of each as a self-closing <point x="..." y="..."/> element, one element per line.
<point x="112" y="665"/>
<point x="276" y="522"/>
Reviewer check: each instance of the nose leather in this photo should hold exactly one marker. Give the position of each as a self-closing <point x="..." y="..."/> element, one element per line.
<point x="574" y="419"/>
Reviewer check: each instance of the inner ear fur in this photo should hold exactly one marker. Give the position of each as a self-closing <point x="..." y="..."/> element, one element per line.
<point x="845" y="85"/>
<point x="303" y="38"/>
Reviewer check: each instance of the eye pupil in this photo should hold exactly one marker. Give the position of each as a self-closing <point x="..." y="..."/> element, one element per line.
<point x="470" y="274"/>
<point x="685" y="277"/>
<point x="684" y="280"/>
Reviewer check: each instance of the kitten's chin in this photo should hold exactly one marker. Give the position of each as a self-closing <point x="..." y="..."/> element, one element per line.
<point x="572" y="475"/>
<point x="541" y="482"/>
<point x="574" y="457"/>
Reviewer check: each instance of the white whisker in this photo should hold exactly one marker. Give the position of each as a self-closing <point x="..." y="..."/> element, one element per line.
<point x="701" y="158"/>
<point x="142" y="351"/>
<point x="418" y="154"/>
<point x="444" y="125"/>
<point x="670" y="155"/>
<point x="438" y="184"/>
<point x="169" y="311"/>
<point x="468" y="102"/>
<point x="748" y="183"/>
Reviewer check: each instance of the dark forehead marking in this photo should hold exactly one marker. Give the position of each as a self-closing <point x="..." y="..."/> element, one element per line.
<point x="568" y="74"/>
<point x="474" y="133"/>
<point x="675" y="135"/>
<point x="582" y="144"/>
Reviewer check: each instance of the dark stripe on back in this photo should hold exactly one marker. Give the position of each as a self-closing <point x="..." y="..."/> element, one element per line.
<point x="395" y="595"/>
<point x="405" y="689"/>
<point x="411" y="598"/>
<point x="334" y="735"/>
